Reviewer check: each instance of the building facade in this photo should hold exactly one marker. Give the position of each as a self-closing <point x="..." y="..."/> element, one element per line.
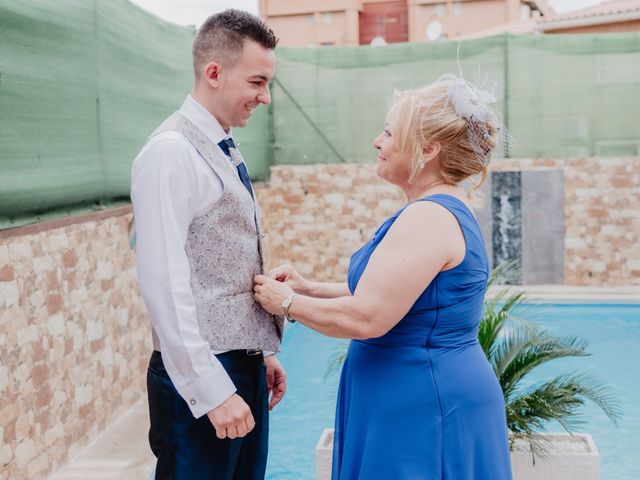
<point x="309" y="23"/>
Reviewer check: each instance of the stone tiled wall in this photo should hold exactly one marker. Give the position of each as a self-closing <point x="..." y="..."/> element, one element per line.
<point x="74" y="339"/>
<point x="316" y="216"/>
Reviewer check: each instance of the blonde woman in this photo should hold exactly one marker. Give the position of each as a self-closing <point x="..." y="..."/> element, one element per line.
<point x="418" y="398"/>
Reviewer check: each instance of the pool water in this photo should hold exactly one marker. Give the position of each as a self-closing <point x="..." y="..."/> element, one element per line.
<point x="613" y="332"/>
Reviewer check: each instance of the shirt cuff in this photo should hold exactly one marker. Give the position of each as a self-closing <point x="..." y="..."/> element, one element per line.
<point x="208" y="393"/>
<point x="268" y="354"/>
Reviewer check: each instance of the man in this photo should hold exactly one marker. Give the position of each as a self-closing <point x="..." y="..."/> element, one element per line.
<point x="199" y="247"/>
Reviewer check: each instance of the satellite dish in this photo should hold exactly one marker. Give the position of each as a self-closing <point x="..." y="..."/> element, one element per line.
<point x="434" y="30"/>
<point x="378" y="41"/>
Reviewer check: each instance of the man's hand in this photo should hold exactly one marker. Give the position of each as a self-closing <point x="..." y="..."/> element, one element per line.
<point x="276" y="380"/>
<point x="232" y="418"/>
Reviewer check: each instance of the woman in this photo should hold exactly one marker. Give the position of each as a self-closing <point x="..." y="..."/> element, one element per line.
<point x="418" y="398"/>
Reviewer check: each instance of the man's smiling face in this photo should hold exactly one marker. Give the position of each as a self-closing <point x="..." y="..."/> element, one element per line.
<point x="245" y="85"/>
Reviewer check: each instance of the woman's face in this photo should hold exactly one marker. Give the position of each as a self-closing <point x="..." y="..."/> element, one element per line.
<point x="390" y="165"/>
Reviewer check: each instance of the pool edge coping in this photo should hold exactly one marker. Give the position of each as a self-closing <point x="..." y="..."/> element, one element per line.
<point x="569" y="294"/>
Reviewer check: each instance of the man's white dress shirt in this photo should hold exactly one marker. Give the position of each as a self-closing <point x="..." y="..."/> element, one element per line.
<point x="171" y="184"/>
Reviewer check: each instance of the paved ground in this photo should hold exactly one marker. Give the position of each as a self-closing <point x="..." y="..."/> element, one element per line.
<point x="121" y="452"/>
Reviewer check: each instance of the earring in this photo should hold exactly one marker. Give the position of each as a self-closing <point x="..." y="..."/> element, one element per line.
<point x="421" y="164"/>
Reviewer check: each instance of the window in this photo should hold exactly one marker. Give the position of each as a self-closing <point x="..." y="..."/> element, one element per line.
<point x="440" y="9"/>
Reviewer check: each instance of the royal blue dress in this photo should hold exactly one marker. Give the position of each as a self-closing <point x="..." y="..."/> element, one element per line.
<point x="422" y="401"/>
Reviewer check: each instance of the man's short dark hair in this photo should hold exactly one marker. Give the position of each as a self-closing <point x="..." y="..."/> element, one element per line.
<point x="222" y="36"/>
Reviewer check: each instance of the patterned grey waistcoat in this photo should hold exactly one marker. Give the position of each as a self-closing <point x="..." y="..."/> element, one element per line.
<point x="224" y="248"/>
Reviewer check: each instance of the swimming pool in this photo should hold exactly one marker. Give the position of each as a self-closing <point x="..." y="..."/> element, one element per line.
<point x="613" y="332"/>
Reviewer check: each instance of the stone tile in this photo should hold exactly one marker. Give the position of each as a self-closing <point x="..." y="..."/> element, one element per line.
<point x="6" y="274"/>
<point x="25" y="452"/>
<point x="20" y="250"/>
<point x="4" y="254"/>
<point x="43" y="264"/>
<point x="9" y="294"/>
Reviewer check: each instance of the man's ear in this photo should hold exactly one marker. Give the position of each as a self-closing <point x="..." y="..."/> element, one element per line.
<point x="211" y="73"/>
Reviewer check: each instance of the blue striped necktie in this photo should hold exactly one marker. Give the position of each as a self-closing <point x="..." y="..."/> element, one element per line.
<point x="226" y="145"/>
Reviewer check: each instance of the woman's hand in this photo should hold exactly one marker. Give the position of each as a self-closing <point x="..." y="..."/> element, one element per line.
<point x="270" y="293"/>
<point x="286" y="273"/>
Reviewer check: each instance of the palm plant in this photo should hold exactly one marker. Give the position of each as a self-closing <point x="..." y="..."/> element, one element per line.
<point x="514" y="348"/>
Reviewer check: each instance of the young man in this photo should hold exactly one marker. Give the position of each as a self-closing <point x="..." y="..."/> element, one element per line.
<point x="199" y="247"/>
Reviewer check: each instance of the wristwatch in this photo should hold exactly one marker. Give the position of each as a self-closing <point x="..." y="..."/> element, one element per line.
<point x="286" y="303"/>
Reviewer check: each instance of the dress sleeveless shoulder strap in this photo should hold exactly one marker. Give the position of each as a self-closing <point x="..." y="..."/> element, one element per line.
<point x="457" y="207"/>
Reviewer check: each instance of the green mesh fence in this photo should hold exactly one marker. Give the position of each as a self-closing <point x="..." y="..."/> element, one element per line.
<point x="82" y="84"/>
<point x="574" y="95"/>
<point x="560" y="95"/>
<point x="329" y="104"/>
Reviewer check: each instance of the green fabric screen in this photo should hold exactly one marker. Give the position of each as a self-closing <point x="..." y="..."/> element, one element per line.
<point x="81" y="86"/>
<point x="560" y="95"/>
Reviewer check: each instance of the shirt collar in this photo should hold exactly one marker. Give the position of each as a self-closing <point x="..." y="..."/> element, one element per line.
<point x="200" y="116"/>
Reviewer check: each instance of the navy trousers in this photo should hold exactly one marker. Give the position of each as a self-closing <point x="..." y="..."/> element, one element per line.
<point x="187" y="448"/>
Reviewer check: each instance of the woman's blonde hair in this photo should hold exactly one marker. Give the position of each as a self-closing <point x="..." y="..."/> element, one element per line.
<point x="426" y="115"/>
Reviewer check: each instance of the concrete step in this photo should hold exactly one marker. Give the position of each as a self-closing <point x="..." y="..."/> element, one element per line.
<point x="120" y="452"/>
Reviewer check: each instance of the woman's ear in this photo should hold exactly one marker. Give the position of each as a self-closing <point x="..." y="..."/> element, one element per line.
<point x="431" y="150"/>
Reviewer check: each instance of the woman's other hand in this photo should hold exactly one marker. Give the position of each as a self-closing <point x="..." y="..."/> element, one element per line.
<point x="289" y="275"/>
<point x="270" y="293"/>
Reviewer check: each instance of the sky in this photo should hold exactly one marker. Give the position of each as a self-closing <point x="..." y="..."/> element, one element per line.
<point x="194" y="12"/>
